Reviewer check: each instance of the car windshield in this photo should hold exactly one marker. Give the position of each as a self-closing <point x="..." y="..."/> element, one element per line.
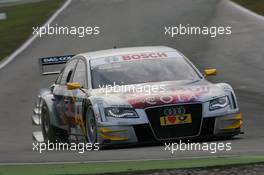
<point x="142" y="71"/>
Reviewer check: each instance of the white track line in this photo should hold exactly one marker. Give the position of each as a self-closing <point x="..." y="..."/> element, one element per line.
<point x="245" y="10"/>
<point x="116" y="161"/>
<point x="31" y="39"/>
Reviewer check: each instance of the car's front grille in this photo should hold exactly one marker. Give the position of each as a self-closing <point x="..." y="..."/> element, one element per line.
<point x="208" y="127"/>
<point x="177" y="130"/>
<point x="144" y="133"/>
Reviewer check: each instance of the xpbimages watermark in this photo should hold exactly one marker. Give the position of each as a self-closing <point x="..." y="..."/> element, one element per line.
<point x="212" y="147"/>
<point x="80" y="31"/>
<point x="212" y="31"/>
<point x="146" y="89"/>
<point x="60" y="146"/>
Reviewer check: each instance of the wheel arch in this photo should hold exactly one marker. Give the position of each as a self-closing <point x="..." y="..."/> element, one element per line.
<point x="231" y="93"/>
<point x="95" y="104"/>
<point x="47" y="98"/>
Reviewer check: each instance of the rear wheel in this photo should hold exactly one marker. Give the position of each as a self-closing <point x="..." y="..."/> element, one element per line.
<point x="91" y="125"/>
<point x="46" y="127"/>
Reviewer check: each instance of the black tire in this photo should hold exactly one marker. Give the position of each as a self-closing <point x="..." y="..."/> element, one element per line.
<point x="48" y="131"/>
<point x="91" y="125"/>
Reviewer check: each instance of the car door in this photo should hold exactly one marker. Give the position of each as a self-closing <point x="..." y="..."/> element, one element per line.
<point x="80" y="76"/>
<point x="63" y="101"/>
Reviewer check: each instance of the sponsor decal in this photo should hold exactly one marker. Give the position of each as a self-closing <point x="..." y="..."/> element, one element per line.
<point x="55" y="59"/>
<point x="133" y="57"/>
<point x="111" y="59"/>
<point x="182" y="95"/>
<point x="174" y="116"/>
<point x="144" y="56"/>
<point x="175" y="120"/>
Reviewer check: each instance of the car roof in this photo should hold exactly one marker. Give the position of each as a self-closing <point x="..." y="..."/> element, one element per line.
<point x="125" y="51"/>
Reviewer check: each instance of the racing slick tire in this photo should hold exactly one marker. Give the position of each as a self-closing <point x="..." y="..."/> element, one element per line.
<point x="91" y="125"/>
<point x="46" y="127"/>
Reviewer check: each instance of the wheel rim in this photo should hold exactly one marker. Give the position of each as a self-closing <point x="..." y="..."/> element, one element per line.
<point x="91" y="126"/>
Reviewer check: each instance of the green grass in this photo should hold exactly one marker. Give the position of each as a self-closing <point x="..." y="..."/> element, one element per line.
<point x="254" y="5"/>
<point x="132" y="166"/>
<point x="20" y="20"/>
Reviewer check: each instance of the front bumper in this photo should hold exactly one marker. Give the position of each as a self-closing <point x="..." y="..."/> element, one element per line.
<point x="227" y="125"/>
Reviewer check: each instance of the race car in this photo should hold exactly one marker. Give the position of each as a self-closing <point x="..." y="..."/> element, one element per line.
<point x="133" y="95"/>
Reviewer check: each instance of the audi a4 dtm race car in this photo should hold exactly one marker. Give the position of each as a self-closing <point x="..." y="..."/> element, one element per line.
<point x="133" y="95"/>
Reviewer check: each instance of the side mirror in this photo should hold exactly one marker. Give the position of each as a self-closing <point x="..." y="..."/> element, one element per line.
<point x="72" y="86"/>
<point x="210" y="72"/>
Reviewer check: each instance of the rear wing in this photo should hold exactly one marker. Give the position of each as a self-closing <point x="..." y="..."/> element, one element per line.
<point x="48" y="64"/>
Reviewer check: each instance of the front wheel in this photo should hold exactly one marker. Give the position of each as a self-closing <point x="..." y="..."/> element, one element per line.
<point x="46" y="127"/>
<point x="91" y="125"/>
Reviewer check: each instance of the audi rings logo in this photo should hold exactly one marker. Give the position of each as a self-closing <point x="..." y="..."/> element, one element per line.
<point x="174" y="111"/>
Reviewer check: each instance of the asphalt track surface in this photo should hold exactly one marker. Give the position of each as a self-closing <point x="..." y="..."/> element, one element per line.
<point x="238" y="58"/>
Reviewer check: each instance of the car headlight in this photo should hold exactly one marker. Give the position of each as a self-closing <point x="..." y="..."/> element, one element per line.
<point x="119" y="112"/>
<point x="219" y="103"/>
